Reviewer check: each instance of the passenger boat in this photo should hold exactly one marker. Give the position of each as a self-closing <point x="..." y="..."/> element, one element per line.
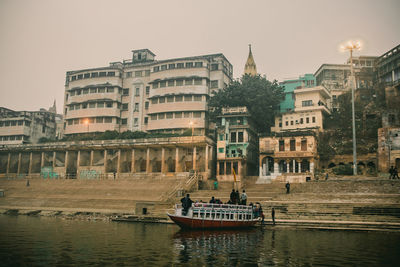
<point x="208" y="216"/>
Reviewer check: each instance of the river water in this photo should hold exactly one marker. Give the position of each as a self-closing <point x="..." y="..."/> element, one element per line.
<point x="44" y="241"/>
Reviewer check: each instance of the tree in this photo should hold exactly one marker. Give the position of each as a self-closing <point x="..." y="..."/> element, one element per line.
<point x="260" y="96"/>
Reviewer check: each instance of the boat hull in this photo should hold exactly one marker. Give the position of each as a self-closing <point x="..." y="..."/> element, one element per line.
<point x="199" y="223"/>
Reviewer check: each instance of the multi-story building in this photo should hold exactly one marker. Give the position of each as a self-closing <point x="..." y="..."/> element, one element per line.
<point x="144" y="94"/>
<point x="237" y="145"/>
<point x="310" y="106"/>
<point x="289" y="85"/>
<point x="288" y="156"/>
<point x="19" y="127"/>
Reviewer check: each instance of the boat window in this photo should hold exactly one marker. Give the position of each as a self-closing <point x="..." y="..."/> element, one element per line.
<point x="231" y="216"/>
<point x="222" y="216"/>
<point x="217" y="216"/>
<point x="202" y="214"/>
<point x="207" y="215"/>
<point x="195" y="214"/>
<point x="240" y="216"/>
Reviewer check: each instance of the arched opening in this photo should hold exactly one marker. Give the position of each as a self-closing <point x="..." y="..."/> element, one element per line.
<point x="170" y="165"/>
<point x="267" y="165"/>
<point x="305" y="165"/>
<point x="331" y="165"/>
<point x="282" y="166"/>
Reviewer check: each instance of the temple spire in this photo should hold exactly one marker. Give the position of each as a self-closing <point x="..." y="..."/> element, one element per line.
<point x="250" y="67"/>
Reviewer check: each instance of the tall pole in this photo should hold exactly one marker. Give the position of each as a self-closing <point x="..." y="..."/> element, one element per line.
<point x="353" y="113"/>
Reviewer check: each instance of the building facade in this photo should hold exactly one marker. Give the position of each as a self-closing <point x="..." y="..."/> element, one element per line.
<point x="311" y="105"/>
<point x="288" y="156"/>
<point x="163" y="157"/>
<point x="21" y="127"/>
<point x="237" y="145"/>
<point x="144" y="94"/>
<point x="289" y="85"/>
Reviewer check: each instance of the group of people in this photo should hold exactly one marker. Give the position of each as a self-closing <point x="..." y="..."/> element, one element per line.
<point x="238" y="199"/>
<point x="393" y="173"/>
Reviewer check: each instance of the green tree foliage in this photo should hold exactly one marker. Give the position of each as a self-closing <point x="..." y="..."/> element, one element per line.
<point x="259" y="95"/>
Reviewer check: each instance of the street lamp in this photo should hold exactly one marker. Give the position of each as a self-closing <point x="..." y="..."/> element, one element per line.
<point x="350" y="46"/>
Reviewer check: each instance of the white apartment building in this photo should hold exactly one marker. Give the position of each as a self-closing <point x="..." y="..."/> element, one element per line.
<point x="144" y="94"/>
<point x="311" y="105"/>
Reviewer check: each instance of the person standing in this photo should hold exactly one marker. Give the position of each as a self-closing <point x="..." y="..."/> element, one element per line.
<point x="273" y="215"/>
<point x="391" y="172"/>
<point x="237" y="197"/>
<point x="186" y="204"/>
<point x="243" y="198"/>
<point x="232" y="197"/>
<point x="395" y="173"/>
<point x="287" y="187"/>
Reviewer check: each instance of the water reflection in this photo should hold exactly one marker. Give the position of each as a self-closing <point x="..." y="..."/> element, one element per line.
<point x="35" y="241"/>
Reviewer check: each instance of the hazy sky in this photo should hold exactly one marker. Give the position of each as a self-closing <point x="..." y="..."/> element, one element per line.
<point x="41" y="40"/>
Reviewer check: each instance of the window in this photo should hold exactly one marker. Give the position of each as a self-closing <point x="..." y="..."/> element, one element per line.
<point x="110" y="90"/>
<point x="107" y="120"/>
<point x="171" y="83"/>
<point x="92" y="105"/>
<point x="171" y="66"/>
<point x="179" y="65"/>
<point x="111" y="73"/>
<point x="109" y="104"/>
<point x="125" y="106"/>
<point x="163" y="84"/>
<point x="78" y="106"/>
<point x="78" y="92"/>
<point x="197" y="98"/>
<point x="170" y="98"/>
<point x="240" y="137"/>
<point x="286" y="123"/>
<point x="135" y="121"/>
<point x="198" y="81"/>
<point x="128" y="74"/>
<point x="197" y="114"/>
<point x="146" y="105"/>
<point x="80" y="76"/>
<point x="161" y="116"/>
<point x="153" y="117"/>
<point x="136" y="107"/>
<point x="292" y="145"/>
<point x="161" y="100"/>
<point x="178" y="98"/>
<point x="188" y="81"/>
<point x="155" y="85"/>
<point x="138" y="73"/>
<point x="307" y="120"/>
<point x="189" y="64"/>
<point x="198" y="64"/>
<point x="301" y="121"/>
<point x="186" y="114"/>
<point x="307" y="103"/>
<point x="221" y="150"/>
<point x="228" y="169"/>
<point x="214" y="66"/>
<point x="125" y="91"/>
<point x="70" y="122"/>
<point x="102" y="90"/>
<point x="84" y="105"/>
<point x="233" y="137"/>
<point x="304" y="145"/>
<point x="147" y="90"/>
<point x="178" y="115"/>
<point x="102" y="74"/>
<point x="163" y="67"/>
<point x="169" y="115"/>
<point x="291" y="122"/>
<point x="154" y="101"/>
<point x="155" y="69"/>
<point x="313" y="119"/>
<point x="72" y="93"/>
<point x="214" y="84"/>
<point x="146" y="120"/>
<point x="147" y="73"/>
<point x="94" y="74"/>
<point x="188" y="98"/>
<point x="86" y="75"/>
<point x="281" y="145"/>
<point x="137" y="92"/>
<point x="93" y="90"/>
<point x="179" y="82"/>
<point x="124" y="121"/>
<point x="20" y="123"/>
<point x="73" y="78"/>
<point x="72" y="107"/>
<point x="100" y="104"/>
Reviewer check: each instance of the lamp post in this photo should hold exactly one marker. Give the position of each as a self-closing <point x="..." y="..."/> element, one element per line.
<point x="350" y="46"/>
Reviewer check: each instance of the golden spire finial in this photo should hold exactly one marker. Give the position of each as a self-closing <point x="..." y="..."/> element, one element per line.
<point x="250" y="67"/>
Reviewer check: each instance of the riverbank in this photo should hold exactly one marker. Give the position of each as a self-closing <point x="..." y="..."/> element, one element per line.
<point x="343" y="204"/>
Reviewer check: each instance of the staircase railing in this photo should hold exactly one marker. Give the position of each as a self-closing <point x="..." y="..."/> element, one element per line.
<point x="189" y="185"/>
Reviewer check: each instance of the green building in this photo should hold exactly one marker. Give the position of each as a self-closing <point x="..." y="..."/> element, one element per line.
<point x="306" y="81"/>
